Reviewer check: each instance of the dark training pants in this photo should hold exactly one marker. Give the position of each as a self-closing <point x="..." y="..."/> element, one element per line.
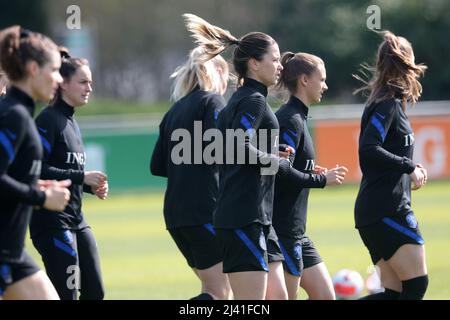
<point x="72" y="262"/>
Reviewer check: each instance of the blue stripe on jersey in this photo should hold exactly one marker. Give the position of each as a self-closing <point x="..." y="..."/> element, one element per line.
<point x="293" y="133"/>
<point x="46" y="144"/>
<point x="216" y="114"/>
<point x="380" y="115"/>
<point x="64" y="247"/>
<point x="42" y="130"/>
<point x="289" y="140"/>
<point x="252" y="248"/>
<point x="68" y="237"/>
<point x="291" y="265"/>
<point x="7" y="145"/>
<point x="210" y="228"/>
<point x="391" y="223"/>
<point x="250" y="116"/>
<point x="247" y="125"/>
<point x="374" y="120"/>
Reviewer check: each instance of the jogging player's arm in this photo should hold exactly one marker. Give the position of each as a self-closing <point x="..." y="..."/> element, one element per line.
<point x="372" y="138"/>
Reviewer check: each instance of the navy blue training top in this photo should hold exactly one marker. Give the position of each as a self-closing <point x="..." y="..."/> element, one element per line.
<point x="64" y="158"/>
<point x="386" y="145"/>
<point x="192" y="184"/>
<point x="291" y="197"/>
<point x="20" y="168"/>
<point x="245" y="194"/>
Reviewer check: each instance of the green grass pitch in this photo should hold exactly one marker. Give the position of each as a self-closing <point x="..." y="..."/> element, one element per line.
<point x="140" y="260"/>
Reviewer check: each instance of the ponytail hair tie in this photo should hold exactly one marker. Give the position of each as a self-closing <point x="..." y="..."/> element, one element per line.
<point x="290" y="56"/>
<point x="24" y="33"/>
<point x="64" y="52"/>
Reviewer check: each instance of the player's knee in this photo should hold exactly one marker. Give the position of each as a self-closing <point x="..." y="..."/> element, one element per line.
<point x="323" y="295"/>
<point x="278" y="294"/>
<point x="293" y="293"/>
<point x="218" y="292"/>
<point x="282" y="295"/>
<point x="414" y="289"/>
<point x="225" y="294"/>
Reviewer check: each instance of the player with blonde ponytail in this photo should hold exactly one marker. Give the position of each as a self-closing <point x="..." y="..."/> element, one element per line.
<point x="198" y="87"/>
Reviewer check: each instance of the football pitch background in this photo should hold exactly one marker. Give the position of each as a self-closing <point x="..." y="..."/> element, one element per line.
<point x="140" y="261"/>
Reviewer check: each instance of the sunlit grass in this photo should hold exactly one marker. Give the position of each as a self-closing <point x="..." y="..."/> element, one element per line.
<point x="140" y="260"/>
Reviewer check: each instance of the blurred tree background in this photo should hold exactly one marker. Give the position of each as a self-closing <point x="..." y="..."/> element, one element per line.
<point x="135" y="45"/>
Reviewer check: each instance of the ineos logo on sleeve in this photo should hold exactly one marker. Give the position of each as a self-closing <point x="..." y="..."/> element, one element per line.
<point x="76" y="157"/>
<point x="310" y="165"/>
<point x="35" y="169"/>
<point x="409" y="140"/>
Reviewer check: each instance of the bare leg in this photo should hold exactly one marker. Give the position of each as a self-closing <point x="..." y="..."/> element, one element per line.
<point x="292" y="285"/>
<point x="317" y="283"/>
<point x="276" y="286"/>
<point x="408" y="262"/>
<point x="249" y="285"/>
<point x="34" y="287"/>
<point x="388" y="277"/>
<point x="215" y="282"/>
<point x="410" y="266"/>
